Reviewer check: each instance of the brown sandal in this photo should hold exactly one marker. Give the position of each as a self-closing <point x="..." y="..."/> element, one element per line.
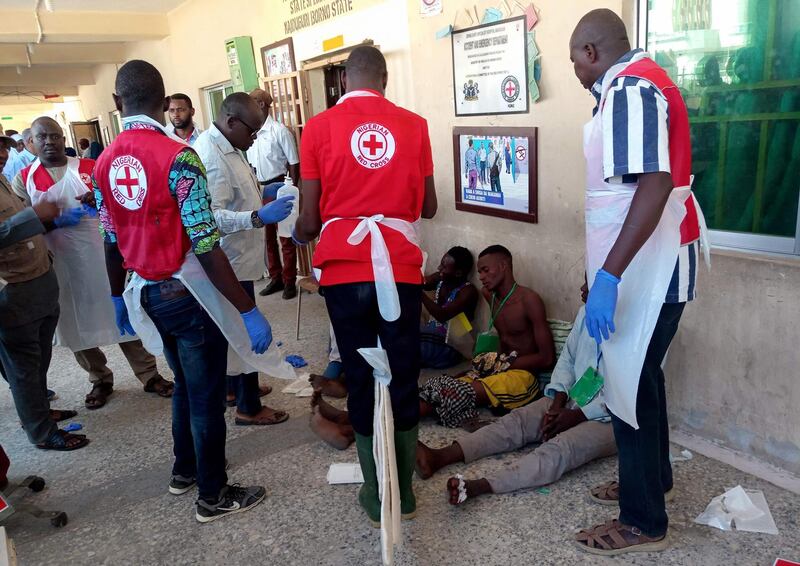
<point x="98" y="396"/>
<point x="613" y="538"/>
<point x="261" y="419"/>
<point x="608" y="493"/>
<point x="159" y="386"/>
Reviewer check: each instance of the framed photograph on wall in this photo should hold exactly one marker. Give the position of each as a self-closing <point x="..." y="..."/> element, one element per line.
<point x="496" y="171"/>
<point x="278" y="58"/>
<point x="490" y="68"/>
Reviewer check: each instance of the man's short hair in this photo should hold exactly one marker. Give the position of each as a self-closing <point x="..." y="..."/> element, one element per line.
<point x="462" y="258"/>
<point x="139" y="85"/>
<point x="27" y="134"/>
<point x="236" y="104"/>
<point x="366" y="60"/>
<point x="181" y="96"/>
<point x="499" y="250"/>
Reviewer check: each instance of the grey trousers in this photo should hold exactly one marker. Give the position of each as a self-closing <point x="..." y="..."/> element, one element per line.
<point x="25" y="353"/>
<point x="547" y="463"/>
<point x="142" y="362"/>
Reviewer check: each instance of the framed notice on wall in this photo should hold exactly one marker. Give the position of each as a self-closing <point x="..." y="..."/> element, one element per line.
<point x="278" y="58"/>
<point x="496" y="172"/>
<point x="490" y="70"/>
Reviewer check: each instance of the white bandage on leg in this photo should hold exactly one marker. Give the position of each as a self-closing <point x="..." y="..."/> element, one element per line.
<point x="462" y="489"/>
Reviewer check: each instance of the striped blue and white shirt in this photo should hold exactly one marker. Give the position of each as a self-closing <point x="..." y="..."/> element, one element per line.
<point x="636" y="141"/>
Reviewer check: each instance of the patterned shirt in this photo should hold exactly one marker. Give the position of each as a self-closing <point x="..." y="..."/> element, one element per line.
<point x="636" y="141"/>
<point x="188" y="186"/>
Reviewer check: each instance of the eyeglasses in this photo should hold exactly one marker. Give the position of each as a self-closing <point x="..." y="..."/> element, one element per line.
<point x="253" y="131"/>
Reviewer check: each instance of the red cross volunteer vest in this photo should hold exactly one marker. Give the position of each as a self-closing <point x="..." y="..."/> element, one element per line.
<point x="680" y="144"/>
<point x="43" y="181"/>
<point x="133" y="177"/>
<point x="371" y="157"/>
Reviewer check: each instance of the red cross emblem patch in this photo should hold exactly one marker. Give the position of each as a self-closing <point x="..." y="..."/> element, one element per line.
<point x="372" y="145"/>
<point x="128" y="182"/>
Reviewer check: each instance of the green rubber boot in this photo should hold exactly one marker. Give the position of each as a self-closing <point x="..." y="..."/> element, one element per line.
<point x="405" y="449"/>
<point x="368" y="494"/>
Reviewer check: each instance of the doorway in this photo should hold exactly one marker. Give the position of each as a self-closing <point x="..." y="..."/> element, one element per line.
<point x="334" y="87"/>
<point x="86" y="130"/>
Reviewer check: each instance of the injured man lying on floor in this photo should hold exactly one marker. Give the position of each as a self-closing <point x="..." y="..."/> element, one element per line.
<point x="570" y="436"/>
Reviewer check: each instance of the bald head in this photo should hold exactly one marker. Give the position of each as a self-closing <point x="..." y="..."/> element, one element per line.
<point x="365" y="68"/>
<point x="263" y="99"/>
<point x="140" y="90"/>
<point x="239" y="120"/>
<point x="597" y="42"/>
<point x="48" y="142"/>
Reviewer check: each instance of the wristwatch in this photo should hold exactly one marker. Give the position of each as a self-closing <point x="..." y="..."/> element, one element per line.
<point x="256" y="220"/>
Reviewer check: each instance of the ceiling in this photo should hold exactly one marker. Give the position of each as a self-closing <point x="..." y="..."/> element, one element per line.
<point x="151" y="6"/>
<point x="48" y="48"/>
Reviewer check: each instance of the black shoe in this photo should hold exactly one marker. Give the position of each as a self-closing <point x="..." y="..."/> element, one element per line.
<point x="233" y="499"/>
<point x="179" y="485"/>
<point x="272" y="287"/>
<point x="290" y="292"/>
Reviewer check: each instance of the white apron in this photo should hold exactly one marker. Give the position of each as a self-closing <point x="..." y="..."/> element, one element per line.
<point x="87" y="315"/>
<point x="221" y="311"/>
<point x="645" y="281"/>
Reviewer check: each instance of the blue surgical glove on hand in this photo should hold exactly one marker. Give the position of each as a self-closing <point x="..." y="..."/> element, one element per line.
<point x="277" y="210"/>
<point x="69" y="217"/>
<point x="271" y="191"/>
<point x="90" y="211"/>
<point x="600" y="306"/>
<point x="297" y="241"/>
<point x="123" y="322"/>
<point x="259" y="330"/>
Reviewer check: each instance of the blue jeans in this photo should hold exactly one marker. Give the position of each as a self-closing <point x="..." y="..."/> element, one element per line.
<point x="353" y="311"/>
<point x="645" y="472"/>
<point x="196" y="352"/>
<point x="245" y="385"/>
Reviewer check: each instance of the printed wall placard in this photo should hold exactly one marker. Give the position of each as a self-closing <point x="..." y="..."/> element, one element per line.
<point x="496" y="171"/>
<point x="490" y="70"/>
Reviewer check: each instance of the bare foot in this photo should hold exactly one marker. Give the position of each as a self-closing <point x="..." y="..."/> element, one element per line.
<point x="338" y="436"/>
<point x="474" y="488"/>
<point x="329" y="387"/>
<point x="430" y="460"/>
<point x="327" y="410"/>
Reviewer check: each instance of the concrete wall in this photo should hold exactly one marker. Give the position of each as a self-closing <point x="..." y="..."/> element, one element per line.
<point x="731" y="370"/>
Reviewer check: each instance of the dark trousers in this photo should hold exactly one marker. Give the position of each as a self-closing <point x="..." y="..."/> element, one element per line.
<point x="495" y="183"/>
<point x="25" y="353"/>
<point x="645" y="473"/>
<point x="353" y="311"/>
<point x="196" y="352"/>
<point x="245" y="385"/>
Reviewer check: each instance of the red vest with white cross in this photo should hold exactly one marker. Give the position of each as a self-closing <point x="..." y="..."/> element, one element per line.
<point x="680" y="144"/>
<point x="43" y="181"/>
<point x="133" y="177"/>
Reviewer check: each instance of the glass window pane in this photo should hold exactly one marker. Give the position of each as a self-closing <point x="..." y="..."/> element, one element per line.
<point x="215" y="98"/>
<point x="737" y="63"/>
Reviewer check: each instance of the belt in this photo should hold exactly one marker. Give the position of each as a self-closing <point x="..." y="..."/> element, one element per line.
<point x="278" y="179"/>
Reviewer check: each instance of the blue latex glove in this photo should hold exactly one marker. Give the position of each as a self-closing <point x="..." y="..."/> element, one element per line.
<point x="258" y="329"/>
<point x="600" y="306"/>
<point x="297" y="241"/>
<point x="271" y="190"/>
<point x="123" y="322"/>
<point x="69" y="217"/>
<point x="277" y="210"/>
<point x="296" y="361"/>
<point x="90" y="211"/>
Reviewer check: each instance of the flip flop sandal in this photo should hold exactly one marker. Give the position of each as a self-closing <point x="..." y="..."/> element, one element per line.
<point x="98" y="396"/>
<point x="608" y="540"/>
<point x="280" y="416"/>
<point x="59" y="442"/>
<point x="59" y="415"/>
<point x="159" y="386"/>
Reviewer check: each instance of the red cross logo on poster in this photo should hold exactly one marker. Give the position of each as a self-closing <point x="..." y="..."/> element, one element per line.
<point x="372" y="145"/>
<point x="128" y="182"/>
